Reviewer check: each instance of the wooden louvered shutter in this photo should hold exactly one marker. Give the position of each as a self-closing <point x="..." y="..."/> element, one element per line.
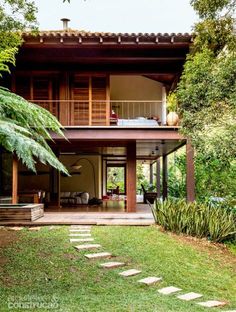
<point x="43" y="94"/>
<point x="99" y="101"/>
<point x="80" y="97"/>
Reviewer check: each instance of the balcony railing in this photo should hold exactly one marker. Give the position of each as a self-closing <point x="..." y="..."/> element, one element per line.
<point x="105" y="113"/>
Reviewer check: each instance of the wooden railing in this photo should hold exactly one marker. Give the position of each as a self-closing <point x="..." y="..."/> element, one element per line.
<point x="104" y="113"/>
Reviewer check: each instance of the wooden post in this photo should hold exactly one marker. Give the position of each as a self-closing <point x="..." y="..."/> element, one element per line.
<point x="151" y="174"/>
<point x="163" y="110"/>
<point x="131" y="177"/>
<point x="165" y="177"/>
<point x="190" y="181"/>
<point x="14" y="180"/>
<point x="158" y="178"/>
<point x="55" y="179"/>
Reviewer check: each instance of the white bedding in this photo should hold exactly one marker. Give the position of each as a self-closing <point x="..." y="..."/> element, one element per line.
<point x="137" y="122"/>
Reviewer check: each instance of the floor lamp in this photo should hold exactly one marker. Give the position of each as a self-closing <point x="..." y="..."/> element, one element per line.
<point x="77" y="165"/>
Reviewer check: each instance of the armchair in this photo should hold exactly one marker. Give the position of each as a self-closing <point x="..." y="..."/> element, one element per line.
<point x="148" y="197"/>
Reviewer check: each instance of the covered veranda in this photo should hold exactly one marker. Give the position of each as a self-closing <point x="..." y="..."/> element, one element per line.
<point x="128" y="144"/>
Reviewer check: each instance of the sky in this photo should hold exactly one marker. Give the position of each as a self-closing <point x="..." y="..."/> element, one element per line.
<point x="118" y="15"/>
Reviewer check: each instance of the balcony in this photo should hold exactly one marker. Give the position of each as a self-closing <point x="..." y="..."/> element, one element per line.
<point x="107" y="113"/>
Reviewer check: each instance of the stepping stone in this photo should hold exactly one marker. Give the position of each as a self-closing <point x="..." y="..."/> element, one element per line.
<point x="98" y="255"/>
<point x="80" y="235"/>
<point x="16" y="228"/>
<point x="168" y="290"/>
<point x="36" y="228"/>
<point x="150" y="280"/>
<point x="212" y="303"/>
<point x="112" y="265"/>
<point x="74" y="240"/>
<point x="88" y="246"/>
<point x="131" y="272"/>
<point x="189" y="296"/>
<point x="79" y="231"/>
<point x="82" y="227"/>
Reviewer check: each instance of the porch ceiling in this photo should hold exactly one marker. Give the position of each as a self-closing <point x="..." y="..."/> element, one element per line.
<point x="149" y="146"/>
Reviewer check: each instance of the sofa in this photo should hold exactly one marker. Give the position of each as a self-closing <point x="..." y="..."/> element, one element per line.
<point x="74" y="198"/>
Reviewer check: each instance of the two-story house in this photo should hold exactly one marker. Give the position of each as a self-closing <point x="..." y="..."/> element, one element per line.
<point x="109" y="91"/>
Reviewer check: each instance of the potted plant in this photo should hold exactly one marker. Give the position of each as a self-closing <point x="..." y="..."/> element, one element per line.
<point x="172" y="118"/>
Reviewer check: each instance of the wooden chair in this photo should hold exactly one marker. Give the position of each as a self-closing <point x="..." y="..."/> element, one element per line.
<point x="148" y="197"/>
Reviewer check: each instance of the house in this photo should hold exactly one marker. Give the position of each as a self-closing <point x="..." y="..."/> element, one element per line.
<point x="109" y="92"/>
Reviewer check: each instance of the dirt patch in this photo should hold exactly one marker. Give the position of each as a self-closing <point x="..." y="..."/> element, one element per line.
<point x="7" y="237"/>
<point x="70" y="256"/>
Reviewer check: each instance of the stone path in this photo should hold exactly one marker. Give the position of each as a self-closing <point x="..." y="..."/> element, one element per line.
<point x="85" y="232"/>
<point x="88" y="246"/>
<point x="77" y="240"/>
<point x="130" y="272"/>
<point x="150" y="280"/>
<point x="112" y="265"/>
<point x="169" y="290"/>
<point x="80" y="235"/>
<point x="99" y="255"/>
<point x="212" y="303"/>
<point x="189" y="296"/>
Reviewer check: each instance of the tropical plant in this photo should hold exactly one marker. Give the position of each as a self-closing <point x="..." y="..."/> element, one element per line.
<point x="216" y="223"/>
<point x="172" y="102"/>
<point x="24" y="127"/>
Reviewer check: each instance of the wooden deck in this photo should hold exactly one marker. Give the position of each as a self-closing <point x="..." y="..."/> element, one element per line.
<point x="69" y="215"/>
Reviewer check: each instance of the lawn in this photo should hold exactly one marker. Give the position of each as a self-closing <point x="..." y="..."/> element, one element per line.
<point x="44" y="267"/>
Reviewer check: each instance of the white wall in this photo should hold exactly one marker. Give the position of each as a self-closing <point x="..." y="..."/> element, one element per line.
<point x="136" y="88"/>
<point x="83" y="182"/>
<point x="76" y="183"/>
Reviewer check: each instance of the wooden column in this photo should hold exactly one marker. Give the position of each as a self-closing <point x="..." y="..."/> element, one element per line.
<point x="131" y="177"/>
<point x="55" y="186"/>
<point x="158" y="178"/>
<point x="164" y="177"/>
<point x="14" y="180"/>
<point x="190" y="181"/>
<point x="151" y="174"/>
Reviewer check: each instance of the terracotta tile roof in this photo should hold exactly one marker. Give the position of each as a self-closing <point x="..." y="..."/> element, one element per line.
<point x="83" y="33"/>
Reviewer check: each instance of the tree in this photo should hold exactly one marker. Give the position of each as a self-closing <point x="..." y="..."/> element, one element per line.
<point x="24" y="127"/>
<point x="207" y="90"/>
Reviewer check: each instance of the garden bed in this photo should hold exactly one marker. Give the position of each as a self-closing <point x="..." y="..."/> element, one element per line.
<point x="21" y="212"/>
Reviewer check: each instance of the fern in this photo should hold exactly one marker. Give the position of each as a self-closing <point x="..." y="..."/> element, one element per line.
<point x="25" y="129"/>
<point x="7" y="56"/>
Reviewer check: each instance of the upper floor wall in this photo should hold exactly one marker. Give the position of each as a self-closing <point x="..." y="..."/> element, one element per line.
<point x="93" y="100"/>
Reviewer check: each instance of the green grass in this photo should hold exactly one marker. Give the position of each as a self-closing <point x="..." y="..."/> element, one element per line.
<point x="44" y="264"/>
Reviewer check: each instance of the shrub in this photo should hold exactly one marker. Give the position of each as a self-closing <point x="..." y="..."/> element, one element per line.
<point x="196" y="219"/>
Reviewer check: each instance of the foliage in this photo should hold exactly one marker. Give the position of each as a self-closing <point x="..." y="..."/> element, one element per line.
<point x="177" y="174"/>
<point x="115" y="177"/>
<point x="216" y="223"/>
<point x="15" y="17"/>
<point x="172" y="103"/>
<point x="219" y="178"/>
<point x="207" y="93"/>
<point x="24" y="128"/>
<point x="207" y="90"/>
